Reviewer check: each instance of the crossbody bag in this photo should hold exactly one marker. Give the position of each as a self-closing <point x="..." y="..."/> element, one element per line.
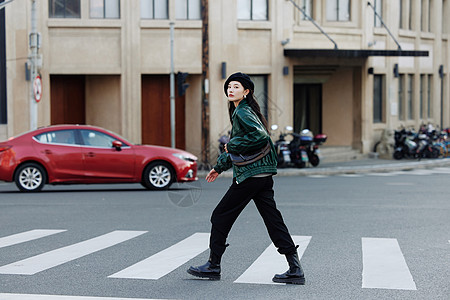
<point x="242" y="160"/>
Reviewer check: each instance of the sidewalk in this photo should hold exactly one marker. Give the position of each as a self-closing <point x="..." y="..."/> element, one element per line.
<point x="365" y="165"/>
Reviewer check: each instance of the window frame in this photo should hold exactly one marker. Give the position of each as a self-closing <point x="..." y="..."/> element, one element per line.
<point x="3" y="73"/>
<point x="422" y="88"/>
<point x="445" y="22"/>
<point x="51" y="16"/>
<point x="337" y="2"/>
<point x="252" y="10"/>
<point x="309" y="12"/>
<point x="425" y="16"/>
<point x="378" y="98"/>
<point x="406" y="15"/>
<point x="188" y="10"/>
<point x="104" y="10"/>
<point x="410" y="96"/>
<point x="401" y="96"/>
<point x="379" y="8"/>
<point x="154" y="11"/>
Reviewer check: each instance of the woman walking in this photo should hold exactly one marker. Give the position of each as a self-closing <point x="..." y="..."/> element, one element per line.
<point x="251" y="154"/>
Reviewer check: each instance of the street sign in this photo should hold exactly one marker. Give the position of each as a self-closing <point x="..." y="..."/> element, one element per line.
<point x="37" y="88"/>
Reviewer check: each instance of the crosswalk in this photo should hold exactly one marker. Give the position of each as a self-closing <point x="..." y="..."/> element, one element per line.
<point x="415" y="172"/>
<point x="383" y="263"/>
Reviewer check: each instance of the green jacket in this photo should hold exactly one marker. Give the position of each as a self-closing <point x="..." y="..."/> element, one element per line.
<point x="248" y="135"/>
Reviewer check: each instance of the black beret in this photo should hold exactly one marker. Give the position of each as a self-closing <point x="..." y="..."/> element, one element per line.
<point x="244" y="79"/>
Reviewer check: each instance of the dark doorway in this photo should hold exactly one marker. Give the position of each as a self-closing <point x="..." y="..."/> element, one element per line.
<point x="308" y="107"/>
<point x="67" y="96"/>
<point x="156" y="112"/>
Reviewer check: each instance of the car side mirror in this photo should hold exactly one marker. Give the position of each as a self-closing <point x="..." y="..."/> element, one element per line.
<point x="117" y="145"/>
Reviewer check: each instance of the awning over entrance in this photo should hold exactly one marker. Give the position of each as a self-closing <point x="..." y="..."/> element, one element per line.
<point x="349" y="53"/>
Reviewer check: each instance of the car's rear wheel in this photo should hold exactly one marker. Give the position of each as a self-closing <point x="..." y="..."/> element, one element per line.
<point x="158" y="176"/>
<point x="30" y="177"/>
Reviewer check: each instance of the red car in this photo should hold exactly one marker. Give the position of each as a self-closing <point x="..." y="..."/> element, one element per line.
<point x="88" y="154"/>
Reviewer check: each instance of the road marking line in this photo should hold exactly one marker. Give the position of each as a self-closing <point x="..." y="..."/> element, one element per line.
<point x="350" y="175"/>
<point x="384" y="266"/>
<point x="26" y="236"/>
<point x="60" y="297"/>
<point x="382" y="174"/>
<point x="269" y="262"/>
<point x="165" y="261"/>
<point x="36" y="264"/>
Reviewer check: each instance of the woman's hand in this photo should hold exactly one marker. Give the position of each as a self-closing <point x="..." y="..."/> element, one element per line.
<point x="212" y="175"/>
<point x="225" y="147"/>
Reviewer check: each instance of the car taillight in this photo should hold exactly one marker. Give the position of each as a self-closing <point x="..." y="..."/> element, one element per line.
<point x="4" y="148"/>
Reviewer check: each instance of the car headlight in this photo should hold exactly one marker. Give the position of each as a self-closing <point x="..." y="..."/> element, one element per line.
<point x="183" y="157"/>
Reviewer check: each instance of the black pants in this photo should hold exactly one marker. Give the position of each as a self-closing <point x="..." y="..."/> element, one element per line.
<point x="260" y="189"/>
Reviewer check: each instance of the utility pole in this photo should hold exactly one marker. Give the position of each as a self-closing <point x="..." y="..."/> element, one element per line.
<point x="172" y="88"/>
<point x="33" y="60"/>
<point x="205" y="82"/>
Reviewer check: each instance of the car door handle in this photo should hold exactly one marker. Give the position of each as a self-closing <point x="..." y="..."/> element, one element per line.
<point x="90" y="154"/>
<point x="47" y="151"/>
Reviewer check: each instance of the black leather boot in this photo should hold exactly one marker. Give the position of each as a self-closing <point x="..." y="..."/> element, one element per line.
<point x="209" y="270"/>
<point x="295" y="273"/>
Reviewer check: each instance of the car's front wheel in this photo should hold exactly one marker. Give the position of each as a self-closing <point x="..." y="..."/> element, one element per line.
<point x="158" y="176"/>
<point x="30" y="177"/>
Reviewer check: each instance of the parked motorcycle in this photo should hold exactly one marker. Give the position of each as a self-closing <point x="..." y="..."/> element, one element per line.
<point x="282" y="147"/>
<point x="303" y="148"/>
<point x="412" y="144"/>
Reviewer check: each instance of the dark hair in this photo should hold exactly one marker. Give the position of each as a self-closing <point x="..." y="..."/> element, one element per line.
<point x="254" y="106"/>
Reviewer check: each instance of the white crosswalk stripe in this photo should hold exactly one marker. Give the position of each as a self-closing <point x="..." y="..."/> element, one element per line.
<point x="262" y="270"/>
<point x="383" y="263"/>
<point x="39" y="263"/>
<point x="384" y="266"/>
<point x="26" y="236"/>
<point x="166" y="261"/>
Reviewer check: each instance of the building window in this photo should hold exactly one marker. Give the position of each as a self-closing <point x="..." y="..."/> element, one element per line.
<point x="104" y="9"/>
<point x="307" y="6"/>
<point x="405" y="14"/>
<point x="401" y="81"/>
<point x="338" y="10"/>
<point x="410" y="96"/>
<point x="3" y="112"/>
<point x="64" y="8"/>
<point x="261" y="93"/>
<point x="378" y="4"/>
<point x="188" y="10"/>
<point x="445" y="21"/>
<point x="429" y="95"/>
<point x="421" y="96"/>
<point x="378" y="98"/>
<point x="154" y="9"/>
<point x="425" y="16"/>
<point x="256" y="10"/>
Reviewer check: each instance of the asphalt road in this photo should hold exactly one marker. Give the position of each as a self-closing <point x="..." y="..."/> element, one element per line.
<point x="336" y="218"/>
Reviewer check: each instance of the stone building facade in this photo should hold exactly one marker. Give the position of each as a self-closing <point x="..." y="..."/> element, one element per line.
<point x="107" y="63"/>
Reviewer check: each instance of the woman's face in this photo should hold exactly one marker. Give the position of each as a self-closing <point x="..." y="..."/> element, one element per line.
<point x="236" y="91"/>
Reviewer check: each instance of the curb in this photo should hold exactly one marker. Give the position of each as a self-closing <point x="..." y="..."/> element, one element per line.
<point x="355" y="169"/>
